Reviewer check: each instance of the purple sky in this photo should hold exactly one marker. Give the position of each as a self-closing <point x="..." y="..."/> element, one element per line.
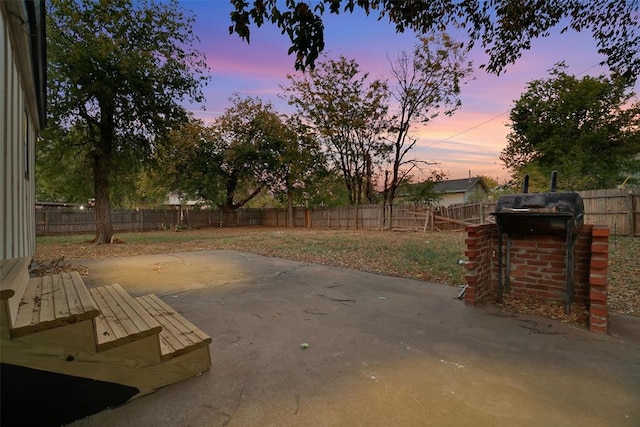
<point x="469" y="141"/>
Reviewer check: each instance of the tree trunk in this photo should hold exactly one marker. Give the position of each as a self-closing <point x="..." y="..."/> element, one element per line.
<point x="104" y="228"/>
<point x="290" y="218"/>
<point x="101" y="170"/>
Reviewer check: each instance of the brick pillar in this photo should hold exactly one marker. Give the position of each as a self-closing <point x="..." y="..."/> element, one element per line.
<point x="479" y="268"/>
<point x="598" y="280"/>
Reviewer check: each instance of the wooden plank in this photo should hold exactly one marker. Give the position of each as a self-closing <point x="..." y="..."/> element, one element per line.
<point x="52" y="301"/>
<point x="178" y="336"/>
<point x="29" y="311"/>
<point x="107" y="325"/>
<point x="455" y="221"/>
<point x="122" y="318"/>
<point x="14" y="277"/>
<point x="46" y="303"/>
<point x="130" y="364"/>
<point x="84" y="297"/>
<point x="60" y="303"/>
<point x="138" y="315"/>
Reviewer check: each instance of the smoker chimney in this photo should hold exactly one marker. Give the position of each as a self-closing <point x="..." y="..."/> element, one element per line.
<point x="554" y="181"/>
<point x="525" y="184"/>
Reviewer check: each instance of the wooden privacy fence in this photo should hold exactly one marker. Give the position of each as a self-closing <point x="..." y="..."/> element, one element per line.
<point x="366" y="217"/>
<point x="619" y="209"/>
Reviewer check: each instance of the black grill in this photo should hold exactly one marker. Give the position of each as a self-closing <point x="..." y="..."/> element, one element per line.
<point x="549" y="213"/>
<point x="540" y="213"/>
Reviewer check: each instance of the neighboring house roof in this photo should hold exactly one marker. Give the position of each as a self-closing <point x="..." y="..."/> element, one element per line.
<point x="175" y="199"/>
<point x="458" y="185"/>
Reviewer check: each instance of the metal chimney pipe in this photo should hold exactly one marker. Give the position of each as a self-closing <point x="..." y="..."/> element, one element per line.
<point x="554" y="181"/>
<point x="525" y="184"/>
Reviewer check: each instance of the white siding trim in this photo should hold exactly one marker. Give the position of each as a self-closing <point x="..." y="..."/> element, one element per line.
<point x="17" y="191"/>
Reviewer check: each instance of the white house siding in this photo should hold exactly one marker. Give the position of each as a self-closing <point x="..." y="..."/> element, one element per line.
<point x="473" y="193"/>
<point x="451" y="199"/>
<point x="19" y="124"/>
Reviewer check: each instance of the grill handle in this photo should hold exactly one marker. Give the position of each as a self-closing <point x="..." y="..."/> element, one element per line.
<point x="525" y="184"/>
<point x="554" y="181"/>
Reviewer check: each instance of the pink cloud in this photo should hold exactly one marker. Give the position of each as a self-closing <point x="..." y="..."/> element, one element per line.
<point x="471" y="139"/>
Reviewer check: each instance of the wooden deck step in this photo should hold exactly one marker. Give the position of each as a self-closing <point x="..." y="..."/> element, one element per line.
<point x="13" y="271"/>
<point x="14" y="277"/>
<point x="122" y="318"/>
<point x="52" y="301"/>
<point x="178" y="336"/>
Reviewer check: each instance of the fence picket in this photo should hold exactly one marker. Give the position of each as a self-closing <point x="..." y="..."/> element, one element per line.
<point x="617" y="208"/>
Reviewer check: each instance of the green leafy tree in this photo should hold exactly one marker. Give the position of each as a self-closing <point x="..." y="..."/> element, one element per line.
<point x="249" y="136"/>
<point x="423" y="191"/>
<point x="425" y="83"/>
<point x="325" y="189"/>
<point x="118" y="71"/>
<point x="588" y="129"/>
<point x="349" y="114"/>
<point x="64" y="172"/>
<point x="298" y="162"/>
<point x="504" y="28"/>
<point x="231" y="161"/>
<point x="181" y="164"/>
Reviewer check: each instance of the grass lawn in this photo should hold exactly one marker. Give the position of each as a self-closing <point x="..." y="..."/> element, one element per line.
<point x="427" y="256"/>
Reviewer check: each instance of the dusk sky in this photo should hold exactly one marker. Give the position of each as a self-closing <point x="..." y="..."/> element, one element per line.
<point x="468" y="142"/>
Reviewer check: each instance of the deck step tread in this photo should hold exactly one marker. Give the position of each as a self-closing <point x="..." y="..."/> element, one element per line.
<point x="51" y="301"/>
<point x="122" y="318"/>
<point x="178" y="336"/>
<point x="11" y="271"/>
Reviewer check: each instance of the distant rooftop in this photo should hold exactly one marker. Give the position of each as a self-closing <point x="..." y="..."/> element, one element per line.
<point x="458" y="185"/>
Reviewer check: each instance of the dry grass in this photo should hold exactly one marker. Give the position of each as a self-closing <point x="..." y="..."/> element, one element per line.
<point x="429" y="257"/>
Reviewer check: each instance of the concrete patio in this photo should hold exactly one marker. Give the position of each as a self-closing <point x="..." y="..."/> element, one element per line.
<point x="381" y="351"/>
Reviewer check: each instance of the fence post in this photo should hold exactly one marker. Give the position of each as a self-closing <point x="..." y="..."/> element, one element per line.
<point x="630" y="214"/>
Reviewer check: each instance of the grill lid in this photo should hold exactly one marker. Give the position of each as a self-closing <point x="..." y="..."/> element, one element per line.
<point x="541" y="203"/>
<point x="540" y="213"/>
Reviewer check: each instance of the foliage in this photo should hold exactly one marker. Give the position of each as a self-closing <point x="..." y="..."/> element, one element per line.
<point x="325" y="189"/>
<point x="504" y="28"/>
<point x="299" y="161"/>
<point x="248" y="149"/>
<point x="348" y="113"/>
<point x="588" y="129"/>
<point x="426" y="83"/>
<point x="423" y="193"/>
<point x="117" y="72"/>
<point x="64" y="172"/>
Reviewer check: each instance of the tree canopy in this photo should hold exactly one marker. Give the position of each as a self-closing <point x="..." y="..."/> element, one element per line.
<point x="504" y="28"/>
<point x="118" y="71"/>
<point x="588" y="129"/>
<point x="348" y="112"/>
<point x="249" y="148"/>
<point x="425" y="83"/>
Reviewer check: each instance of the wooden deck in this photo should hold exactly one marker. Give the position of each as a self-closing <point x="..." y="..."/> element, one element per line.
<point x="122" y="319"/>
<point x="178" y="335"/>
<point x="53" y="301"/>
<point x="54" y="324"/>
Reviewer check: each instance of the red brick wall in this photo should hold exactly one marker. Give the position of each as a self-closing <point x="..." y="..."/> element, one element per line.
<point x="598" y="309"/>
<point x="481" y="270"/>
<point x="538" y="268"/>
